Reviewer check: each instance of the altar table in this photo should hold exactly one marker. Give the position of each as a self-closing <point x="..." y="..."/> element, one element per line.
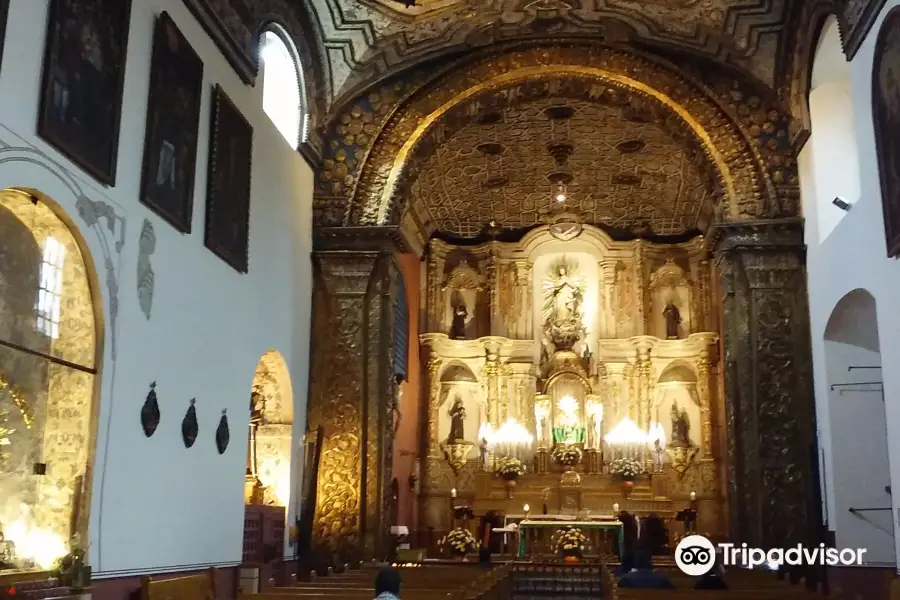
<point x="586" y="526"/>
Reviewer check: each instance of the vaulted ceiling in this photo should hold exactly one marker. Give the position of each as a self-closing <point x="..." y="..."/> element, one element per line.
<point x="625" y="171"/>
<point x="365" y="39"/>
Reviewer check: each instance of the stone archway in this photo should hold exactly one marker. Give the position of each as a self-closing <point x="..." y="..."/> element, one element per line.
<point x="49" y="364"/>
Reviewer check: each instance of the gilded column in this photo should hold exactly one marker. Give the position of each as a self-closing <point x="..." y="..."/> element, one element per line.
<point x="503" y="377"/>
<point x="631" y="376"/>
<point x="491" y="378"/>
<point x="704" y="322"/>
<point x="643" y="386"/>
<point x="493" y="282"/>
<point x="434" y="299"/>
<point x="705" y="412"/>
<point x="640" y="315"/>
<point x="351" y="388"/>
<point x="771" y="421"/>
<point x="525" y="316"/>
<point x="434" y="402"/>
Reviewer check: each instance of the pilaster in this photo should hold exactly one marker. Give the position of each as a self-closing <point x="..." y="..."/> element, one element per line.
<point x="351" y="387"/>
<point x="769" y="403"/>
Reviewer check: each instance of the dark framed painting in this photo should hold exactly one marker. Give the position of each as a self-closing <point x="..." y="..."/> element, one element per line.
<point x="886" y="114"/>
<point x="173" y="119"/>
<point x="4" y="14"/>
<point x="81" y="88"/>
<point x="228" y="183"/>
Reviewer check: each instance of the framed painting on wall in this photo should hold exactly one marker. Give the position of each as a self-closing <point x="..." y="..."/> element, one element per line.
<point x="228" y="184"/>
<point x="886" y="115"/>
<point x="81" y="87"/>
<point x="173" y="115"/>
<point x="233" y="27"/>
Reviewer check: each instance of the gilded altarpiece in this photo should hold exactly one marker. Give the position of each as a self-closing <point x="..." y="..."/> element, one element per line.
<point x="586" y="319"/>
<point x="352" y="395"/>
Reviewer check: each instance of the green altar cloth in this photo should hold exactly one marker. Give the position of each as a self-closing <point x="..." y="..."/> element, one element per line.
<point x="587" y="526"/>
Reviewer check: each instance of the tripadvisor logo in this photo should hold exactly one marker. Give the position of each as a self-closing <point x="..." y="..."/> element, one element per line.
<point x="696" y="555"/>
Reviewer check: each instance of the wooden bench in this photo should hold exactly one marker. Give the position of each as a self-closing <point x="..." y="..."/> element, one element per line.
<point x="201" y="586"/>
<point x="420" y="583"/>
<point x="742" y="584"/>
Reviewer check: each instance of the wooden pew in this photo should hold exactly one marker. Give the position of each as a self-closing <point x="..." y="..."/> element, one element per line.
<point x="743" y="585"/>
<point x="201" y="586"/>
<point x="422" y="583"/>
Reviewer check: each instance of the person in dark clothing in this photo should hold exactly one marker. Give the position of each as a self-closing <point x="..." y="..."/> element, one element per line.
<point x="626" y="565"/>
<point x="643" y="576"/>
<point x="387" y="584"/>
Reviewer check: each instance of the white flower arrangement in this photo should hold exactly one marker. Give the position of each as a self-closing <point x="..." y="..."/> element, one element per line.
<point x="459" y="541"/>
<point x="626" y="469"/>
<point x="570" y="541"/>
<point x="567" y="455"/>
<point x="509" y="467"/>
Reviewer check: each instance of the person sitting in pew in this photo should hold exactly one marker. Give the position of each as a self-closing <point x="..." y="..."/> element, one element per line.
<point x="643" y="576"/>
<point x="627" y="564"/>
<point x="387" y="584"/>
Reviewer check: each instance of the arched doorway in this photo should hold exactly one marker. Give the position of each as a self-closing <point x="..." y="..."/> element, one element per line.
<point x="268" y="477"/>
<point x="861" y="516"/>
<point x="49" y="360"/>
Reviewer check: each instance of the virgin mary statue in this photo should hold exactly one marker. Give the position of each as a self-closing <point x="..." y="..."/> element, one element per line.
<point x="563" y="294"/>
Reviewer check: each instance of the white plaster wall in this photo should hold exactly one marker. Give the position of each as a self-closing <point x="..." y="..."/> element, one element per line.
<point x="157" y="506"/>
<point x="860" y="454"/>
<point x="854" y="256"/>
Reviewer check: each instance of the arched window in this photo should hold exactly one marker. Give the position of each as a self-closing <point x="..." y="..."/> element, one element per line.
<point x="283" y="85"/>
<point x="830" y="168"/>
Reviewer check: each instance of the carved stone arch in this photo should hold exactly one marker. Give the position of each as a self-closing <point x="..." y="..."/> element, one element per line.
<point x="742" y="180"/>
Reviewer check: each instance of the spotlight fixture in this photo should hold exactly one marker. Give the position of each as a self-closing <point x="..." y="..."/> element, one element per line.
<point x="842" y="204"/>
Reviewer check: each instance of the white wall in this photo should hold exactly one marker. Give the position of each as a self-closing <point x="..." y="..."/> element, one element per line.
<point x="157" y="506"/>
<point x="860" y="454"/>
<point x="854" y="256"/>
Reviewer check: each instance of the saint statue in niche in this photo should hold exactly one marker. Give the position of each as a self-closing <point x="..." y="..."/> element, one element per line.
<point x="565" y="295"/>
<point x="681" y="427"/>
<point x="457" y="420"/>
<point x="673" y="320"/>
<point x="460" y="314"/>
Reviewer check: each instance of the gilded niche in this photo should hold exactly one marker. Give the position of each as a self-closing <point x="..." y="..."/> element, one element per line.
<point x="46" y="404"/>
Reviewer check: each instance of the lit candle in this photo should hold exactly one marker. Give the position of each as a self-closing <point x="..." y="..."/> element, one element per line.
<point x="526" y="508"/>
<point x="453" y="493"/>
<point x="615" y="508"/>
<point x="693" y="495"/>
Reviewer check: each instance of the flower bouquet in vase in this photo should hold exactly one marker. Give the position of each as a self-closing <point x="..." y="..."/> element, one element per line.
<point x="509" y="469"/>
<point x="567" y="455"/>
<point x="570" y="544"/>
<point x="626" y="470"/>
<point x="459" y="542"/>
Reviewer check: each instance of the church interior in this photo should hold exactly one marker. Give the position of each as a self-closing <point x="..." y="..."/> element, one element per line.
<point x="294" y="290"/>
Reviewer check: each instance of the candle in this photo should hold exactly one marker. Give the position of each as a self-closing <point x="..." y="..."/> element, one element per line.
<point x="453" y="493"/>
<point x="615" y="508"/>
<point x="526" y="508"/>
<point x="693" y="495"/>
